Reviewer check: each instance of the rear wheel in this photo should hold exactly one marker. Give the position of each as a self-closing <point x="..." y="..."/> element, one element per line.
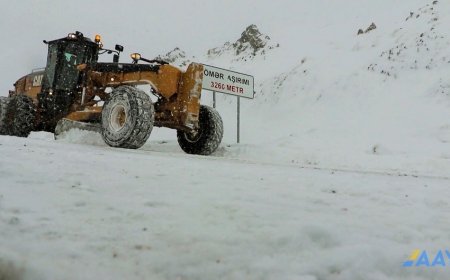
<point x="4" y="101"/>
<point x="20" y="116"/>
<point x="207" y="139"/>
<point x="127" y="118"/>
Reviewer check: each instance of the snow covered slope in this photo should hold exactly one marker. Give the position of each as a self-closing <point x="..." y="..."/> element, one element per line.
<point x="312" y="192"/>
<point x="377" y="101"/>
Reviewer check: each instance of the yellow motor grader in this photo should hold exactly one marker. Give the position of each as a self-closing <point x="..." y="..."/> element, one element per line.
<point x="77" y="91"/>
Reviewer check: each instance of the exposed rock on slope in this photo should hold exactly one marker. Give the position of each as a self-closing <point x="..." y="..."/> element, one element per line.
<point x="251" y="44"/>
<point x="371" y="27"/>
<point x="422" y="43"/>
<point x="177" y="57"/>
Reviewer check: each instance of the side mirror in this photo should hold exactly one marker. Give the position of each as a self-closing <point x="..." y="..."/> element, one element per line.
<point x="119" y="48"/>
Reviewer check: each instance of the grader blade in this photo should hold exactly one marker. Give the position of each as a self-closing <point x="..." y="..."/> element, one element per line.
<point x="64" y="125"/>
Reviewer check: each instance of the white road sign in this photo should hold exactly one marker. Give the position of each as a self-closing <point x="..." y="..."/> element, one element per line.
<point x="228" y="82"/>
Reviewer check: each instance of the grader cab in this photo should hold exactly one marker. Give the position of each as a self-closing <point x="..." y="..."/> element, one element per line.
<point x="77" y="91"/>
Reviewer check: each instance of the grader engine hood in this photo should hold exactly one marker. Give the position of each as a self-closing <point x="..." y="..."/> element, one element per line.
<point x="29" y="85"/>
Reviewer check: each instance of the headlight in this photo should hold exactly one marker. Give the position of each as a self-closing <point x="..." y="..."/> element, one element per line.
<point x="135" y="56"/>
<point x="71" y="36"/>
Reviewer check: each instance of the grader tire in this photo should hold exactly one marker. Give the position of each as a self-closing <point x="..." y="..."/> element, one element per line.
<point x="4" y="101"/>
<point x="127" y="118"/>
<point x="20" y="116"/>
<point x="208" y="138"/>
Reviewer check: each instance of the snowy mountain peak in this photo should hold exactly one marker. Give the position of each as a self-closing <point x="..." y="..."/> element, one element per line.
<point x="251" y="43"/>
<point x="251" y="39"/>
<point x="177" y="57"/>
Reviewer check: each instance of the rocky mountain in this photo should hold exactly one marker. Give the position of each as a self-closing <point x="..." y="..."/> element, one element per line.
<point x="251" y="44"/>
<point x="177" y="57"/>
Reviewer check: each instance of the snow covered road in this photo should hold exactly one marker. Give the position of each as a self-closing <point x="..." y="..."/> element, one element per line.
<point x="71" y="211"/>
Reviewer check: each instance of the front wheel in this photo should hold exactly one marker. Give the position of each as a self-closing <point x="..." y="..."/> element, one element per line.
<point x="127" y="118"/>
<point x="207" y="139"/>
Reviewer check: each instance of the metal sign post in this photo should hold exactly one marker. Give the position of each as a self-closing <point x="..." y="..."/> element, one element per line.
<point x="238" y="120"/>
<point x="229" y="82"/>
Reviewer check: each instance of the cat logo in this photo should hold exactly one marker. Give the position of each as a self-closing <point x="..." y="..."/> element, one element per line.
<point x="37" y="80"/>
